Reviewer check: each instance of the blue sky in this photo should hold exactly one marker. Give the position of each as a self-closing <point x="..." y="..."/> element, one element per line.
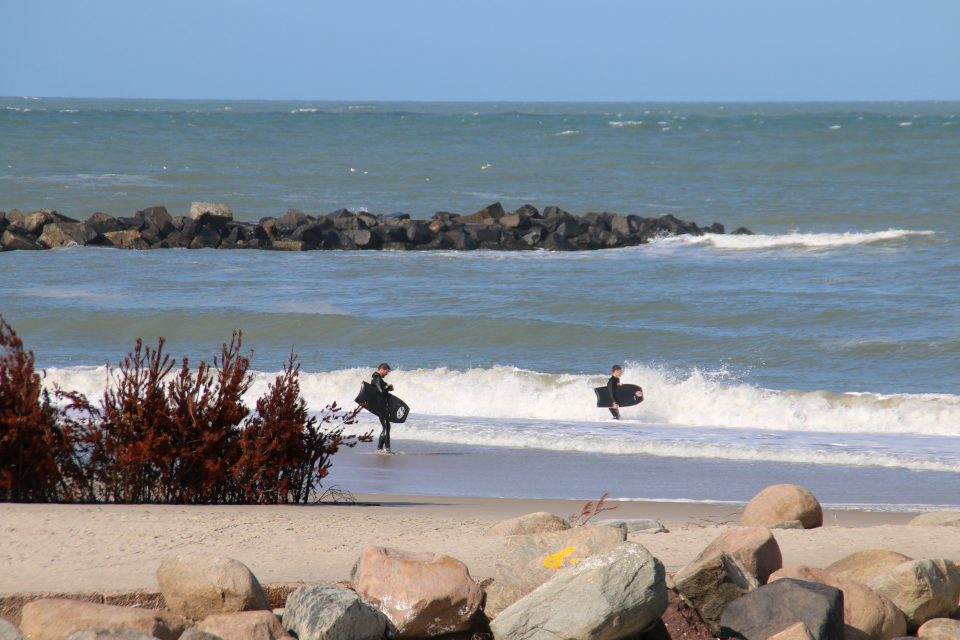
<point x="682" y="50"/>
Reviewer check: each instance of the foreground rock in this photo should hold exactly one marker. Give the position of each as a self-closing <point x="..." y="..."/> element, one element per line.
<point x="526" y="562"/>
<point x="939" y="629"/>
<point x="212" y="225"/>
<point x="197" y="586"/>
<point x="780" y="503"/>
<point x="864" y="565"/>
<point x="796" y="631"/>
<point x="711" y="583"/>
<point x="316" y="612"/>
<point x="781" y="604"/>
<point x="247" y="625"/>
<point x="922" y="589"/>
<point x="9" y="632"/>
<point x="867" y="615"/>
<point x="756" y="548"/>
<point x="421" y="594"/>
<point x="57" y="619"/>
<point x="936" y="519"/>
<point x="611" y="595"/>
<point x="540" y="522"/>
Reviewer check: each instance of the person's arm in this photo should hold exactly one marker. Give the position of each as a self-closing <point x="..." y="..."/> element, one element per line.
<point x="612" y="388"/>
<point x="382" y="387"/>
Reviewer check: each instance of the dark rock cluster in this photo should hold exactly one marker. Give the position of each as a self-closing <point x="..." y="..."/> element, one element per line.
<point x="212" y="226"/>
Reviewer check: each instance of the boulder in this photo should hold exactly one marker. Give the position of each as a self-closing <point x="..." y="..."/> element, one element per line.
<point x="134" y="223"/>
<point x="779" y="605"/>
<point x="936" y="519"/>
<point x="129" y="239"/>
<point x="554" y="212"/>
<point x="867" y="615"/>
<point x="362" y="238"/>
<point x="211" y="213"/>
<point x="58" y="619"/>
<point x="158" y="217"/>
<point x="103" y="223"/>
<point x="939" y="629"/>
<point x="316" y="612"/>
<point x="33" y="223"/>
<point x="528" y="210"/>
<point x="196" y="586"/>
<point x="248" y="625"/>
<point x="462" y="241"/>
<point x="796" y="631"/>
<point x="111" y="634"/>
<point x="632" y="525"/>
<point x="493" y="211"/>
<point x="516" y="221"/>
<point x="526" y="562"/>
<point x="15" y="217"/>
<point x="558" y="242"/>
<point x="922" y="589"/>
<point x="539" y="522"/>
<point x="756" y="548"/>
<point x="289" y="245"/>
<point x="9" y="241"/>
<point x="206" y="238"/>
<point x="711" y="583"/>
<point x="741" y="231"/>
<point x="789" y="524"/>
<point x="421" y="594"/>
<point x="8" y="631"/>
<point x="864" y="565"/>
<point x="782" y="502"/>
<point x="614" y="594"/>
<point x="287" y="223"/>
<point x="59" y="234"/>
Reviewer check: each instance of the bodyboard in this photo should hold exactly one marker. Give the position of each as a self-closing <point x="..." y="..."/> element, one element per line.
<point x="392" y="408"/>
<point x="627" y="396"/>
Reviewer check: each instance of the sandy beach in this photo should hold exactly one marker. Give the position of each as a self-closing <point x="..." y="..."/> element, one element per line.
<point x="70" y="548"/>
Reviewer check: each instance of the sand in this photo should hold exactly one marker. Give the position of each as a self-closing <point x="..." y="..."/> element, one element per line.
<point x="69" y="548"/>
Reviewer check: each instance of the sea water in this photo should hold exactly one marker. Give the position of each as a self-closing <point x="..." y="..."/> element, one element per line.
<point x="824" y="350"/>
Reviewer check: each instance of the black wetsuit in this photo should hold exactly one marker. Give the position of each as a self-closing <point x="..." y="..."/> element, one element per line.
<point x="612" y="388"/>
<point x="383" y="389"/>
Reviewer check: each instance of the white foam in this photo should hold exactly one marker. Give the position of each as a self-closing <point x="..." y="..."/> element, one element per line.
<point x="808" y="240"/>
<point x="626" y="123"/>
<point x="570" y="132"/>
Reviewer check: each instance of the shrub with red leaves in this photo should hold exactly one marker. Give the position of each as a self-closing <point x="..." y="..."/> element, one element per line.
<point x="37" y="461"/>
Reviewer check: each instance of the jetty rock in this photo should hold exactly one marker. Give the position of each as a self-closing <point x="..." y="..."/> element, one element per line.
<point x="197" y="586"/>
<point x="492" y="228"/>
<point x="57" y="619"/>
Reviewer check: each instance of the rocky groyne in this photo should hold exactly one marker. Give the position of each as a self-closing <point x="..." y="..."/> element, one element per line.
<point x="212" y="226"/>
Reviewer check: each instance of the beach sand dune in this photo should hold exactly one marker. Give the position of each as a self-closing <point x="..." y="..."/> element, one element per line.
<point x="70" y="548"/>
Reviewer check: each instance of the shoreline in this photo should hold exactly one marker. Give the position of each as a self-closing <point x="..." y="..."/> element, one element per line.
<point x="74" y="548"/>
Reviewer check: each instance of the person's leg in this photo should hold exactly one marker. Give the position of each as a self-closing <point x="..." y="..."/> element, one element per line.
<point x="615" y="413"/>
<point x="384" y="435"/>
<point x="386" y="427"/>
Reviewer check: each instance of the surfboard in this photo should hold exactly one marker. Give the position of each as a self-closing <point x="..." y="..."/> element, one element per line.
<point x="392" y="408"/>
<point x="627" y="396"/>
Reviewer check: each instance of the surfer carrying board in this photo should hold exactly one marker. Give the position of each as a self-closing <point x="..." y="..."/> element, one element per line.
<point x="616" y="394"/>
<point x="383" y="389"/>
<point x="612" y="385"/>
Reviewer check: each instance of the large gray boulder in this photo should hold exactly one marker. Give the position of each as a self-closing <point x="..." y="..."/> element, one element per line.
<point x="421" y="594"/>
<point x="196" y="586"/>
<point x="317" y="612"/>
<point x="936" y="519"/>
<point x="526" y="562"/>
<point x="711" y="583"/>
<point x="58" y="619"/>
<point x="780" y="503"/>
<point x="539" y="522"/>
<point x="779" y="605"/>
<point x="613" y="594"/>
<point x="922" y="589"/>
<point x="10" y="241"/>
<point x="8" y="631"/>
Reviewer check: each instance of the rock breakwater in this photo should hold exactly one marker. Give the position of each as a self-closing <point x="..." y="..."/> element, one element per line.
<point x="211" y="225"/>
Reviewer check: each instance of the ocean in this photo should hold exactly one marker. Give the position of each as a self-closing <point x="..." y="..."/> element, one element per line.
<point x="824" y="350"/>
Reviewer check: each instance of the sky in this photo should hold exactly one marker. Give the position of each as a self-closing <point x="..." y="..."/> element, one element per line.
<point x="490" y="50"/>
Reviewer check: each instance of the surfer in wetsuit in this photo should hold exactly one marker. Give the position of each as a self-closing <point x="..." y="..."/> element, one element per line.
<point x="383" y="389"/>
<point x="612" y="385"/>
